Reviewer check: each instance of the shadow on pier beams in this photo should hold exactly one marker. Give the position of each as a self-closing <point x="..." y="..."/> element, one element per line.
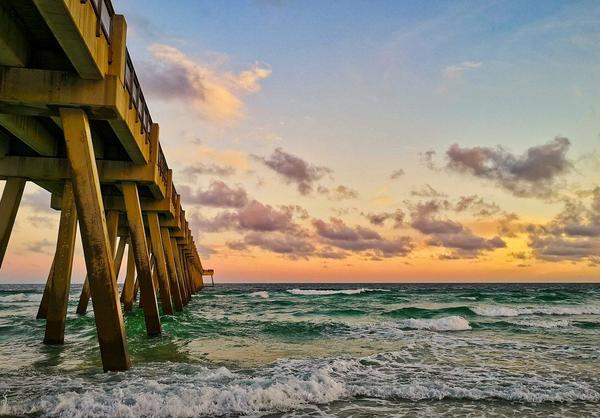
<point x="74" y="121"/>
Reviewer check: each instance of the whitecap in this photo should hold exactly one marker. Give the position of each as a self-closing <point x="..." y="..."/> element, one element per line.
<point x="20" y="297"/>
<point x="509" y="311"/>
<point x="542" y="324"/>
<point x="327" y="292"/>
<point x="447" y="323"/>
<point x="260" y="294"/>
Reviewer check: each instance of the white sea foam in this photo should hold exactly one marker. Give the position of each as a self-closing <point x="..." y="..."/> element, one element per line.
<point x="185" y="396"/>
<point x="542" y="323"/>
<point x="447" y="323"/>
<point x="283" y="386"/>
<point x="509" y="311"/>
<point x="261" y="294"/>
<point x="326" y="292"/>
<point x="20" y="297"/>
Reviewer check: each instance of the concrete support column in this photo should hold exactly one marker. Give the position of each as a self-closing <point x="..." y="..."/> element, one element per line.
<point x="160" y="264"/>
<point x="186" y="272"/>
<point x="127" y="295"/>
<point x="9" y="205"/>
<point x="43" y="309"/>
<point x="58" y="291"/>
<point x="137" y="236"/>
<point x="173" y="277"/>
<point x="94" y="236"/>
<point x="112" y="224"/>
<point x="185" y="297"/>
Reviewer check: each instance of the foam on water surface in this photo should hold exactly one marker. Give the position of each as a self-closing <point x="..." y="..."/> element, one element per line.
<point x="284" y="350"/>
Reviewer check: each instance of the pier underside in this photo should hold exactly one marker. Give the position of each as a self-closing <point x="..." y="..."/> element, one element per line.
<point x="74" y="121"/>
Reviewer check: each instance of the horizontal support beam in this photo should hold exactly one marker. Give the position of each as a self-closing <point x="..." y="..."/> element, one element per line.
<point x="73" y="24"/>
<point x="37" y="92"/>
<point x="58" y="169"/>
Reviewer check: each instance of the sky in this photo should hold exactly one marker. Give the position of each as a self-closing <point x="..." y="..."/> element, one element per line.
<point x="369" y="141"/>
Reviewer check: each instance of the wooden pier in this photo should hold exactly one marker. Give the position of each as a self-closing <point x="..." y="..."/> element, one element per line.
<point x="74" y="121"/>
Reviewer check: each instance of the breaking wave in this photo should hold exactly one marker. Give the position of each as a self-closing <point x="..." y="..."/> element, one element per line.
<point x="261" y="294"/>
<point x="327" y="292"/>
<point x="508" y="311"/>
<point x="20" y="297"/>
<point x="448" y="323"/>
<point x="283" y="386"/>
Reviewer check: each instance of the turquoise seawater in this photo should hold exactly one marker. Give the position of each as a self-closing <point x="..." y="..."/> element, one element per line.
<point x="319" y="350"/>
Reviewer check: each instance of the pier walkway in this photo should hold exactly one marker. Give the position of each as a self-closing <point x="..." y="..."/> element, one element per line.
<point x="74" y="121"/>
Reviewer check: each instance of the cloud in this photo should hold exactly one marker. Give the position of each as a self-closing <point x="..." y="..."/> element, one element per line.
<point x="259" y="217"/>
<point x="337" y="234"/>
<point x="505" y="225"/>
<point x="427" y="191"/>
<point x="532" y="174"/>
<point x="294" y="169"/>
<point x="396" y="174"/>
<point x="338" y="193"/>
<point x="199" y="169"/>
<point x="214" y="95"/>
<point x="426" y="158"/>
<point x="38" y="201"/>
<point x="218" y="194"/>
<point x="43" y="246"/>
<point x="450" y="234"/>
<point x="456" y="71"/>
<point x="573" y="235"/>
<point x="379" y="219"/>
<point x="255" y="216"/>
<point x="40" y="221"/>
<point x="477" y="205"/>
<point x="289" y="245"/>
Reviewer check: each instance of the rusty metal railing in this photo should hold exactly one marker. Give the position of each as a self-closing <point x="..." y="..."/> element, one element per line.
<point x="104" y="12"/>
<point x="163" y="168"/>
<point x="136" y="98"/>
<point x="173" y="195"/>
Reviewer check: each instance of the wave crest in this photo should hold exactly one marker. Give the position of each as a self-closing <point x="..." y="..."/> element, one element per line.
<point x="448" y="323"/>
<point x="508" y="311"/>
<point x="261" y="294"/>
<point x="328" y="292"/>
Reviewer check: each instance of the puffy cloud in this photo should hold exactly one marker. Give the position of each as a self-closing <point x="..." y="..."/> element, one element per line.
<point x="214" y="95"/>
<point x="294" y="169"/>
<point x="532" y="174"/>
<point x="573" y="235"/>
<point x="258" y="217"/>
<point x="198" y="169"/>
<point x="218" y="194"/>
<point x="38" y="201"/>
<point x="43" y="246"/>
<point x="287" y="244"/>
<point x="255" y="216"/>
<point x="337" y="234"/>
<point x="450" y="234"/>
<point x="396" y="174"/>
<point x="338" y="193"/>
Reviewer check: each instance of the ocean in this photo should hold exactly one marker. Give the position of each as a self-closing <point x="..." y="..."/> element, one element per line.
<point x="352" y="350"/>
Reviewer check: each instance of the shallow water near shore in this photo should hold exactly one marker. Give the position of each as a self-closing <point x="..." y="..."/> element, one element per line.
<point x="319" y="350"/>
